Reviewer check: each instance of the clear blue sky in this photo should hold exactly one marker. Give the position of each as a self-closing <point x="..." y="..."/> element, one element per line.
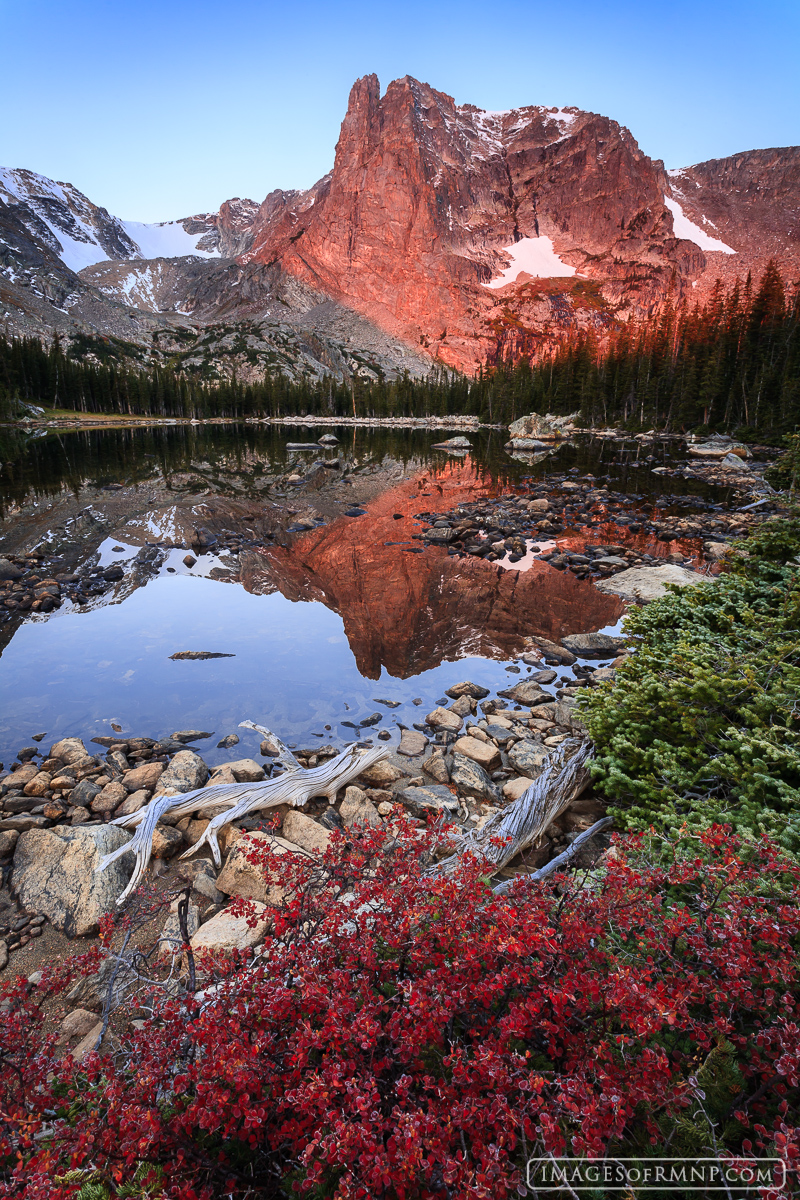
<point x="162" y="109"/>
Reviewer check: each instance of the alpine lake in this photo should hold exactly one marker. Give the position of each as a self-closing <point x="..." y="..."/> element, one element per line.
<point x="304" y="577"/>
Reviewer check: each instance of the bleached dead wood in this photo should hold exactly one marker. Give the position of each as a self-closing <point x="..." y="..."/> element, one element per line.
<point x="284" y="756"/>
<point x="519" y="826"/>
<point x="560" y="861"/>
<point x="296" y="787"/>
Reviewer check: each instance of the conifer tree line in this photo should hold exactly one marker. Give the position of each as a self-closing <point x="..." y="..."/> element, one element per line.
<point x="730" y="364"/>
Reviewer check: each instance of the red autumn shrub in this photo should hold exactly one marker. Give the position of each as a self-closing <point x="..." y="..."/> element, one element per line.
<point x="404" y="1036"/>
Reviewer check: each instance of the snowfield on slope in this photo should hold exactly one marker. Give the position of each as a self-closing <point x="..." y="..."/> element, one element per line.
<point x="535" y="257"/>
<point x="168" y="239"/>
<point x="684" y="228"/>
<point x="77" y="225"/>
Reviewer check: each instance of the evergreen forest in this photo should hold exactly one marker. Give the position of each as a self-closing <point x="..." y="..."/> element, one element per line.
<point x="732" y="364"/>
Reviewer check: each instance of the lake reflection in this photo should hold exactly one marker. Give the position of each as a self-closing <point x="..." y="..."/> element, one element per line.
<point x="321" y="623"/>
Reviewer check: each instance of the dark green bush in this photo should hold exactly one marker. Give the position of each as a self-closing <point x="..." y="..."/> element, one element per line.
<point x="702" y="724"/>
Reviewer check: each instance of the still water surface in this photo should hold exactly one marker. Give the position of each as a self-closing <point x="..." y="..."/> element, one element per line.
<point x="321" y="624"/>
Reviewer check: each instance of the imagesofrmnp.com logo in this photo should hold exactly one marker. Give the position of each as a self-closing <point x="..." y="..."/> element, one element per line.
<point x="739" y="1177"/>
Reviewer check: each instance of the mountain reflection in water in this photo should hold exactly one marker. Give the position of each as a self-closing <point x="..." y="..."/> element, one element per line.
<point x="408" y="612"/>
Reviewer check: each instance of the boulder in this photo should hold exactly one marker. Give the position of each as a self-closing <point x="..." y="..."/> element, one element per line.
<point x="185" y="773"/>
<point x="595" y="645"/>
<point x="471" y="779"/>
<point x="537" y="426"/>
<point x="193" y="828"/>
<point x="357" y="810"/>
<point x="240" y="877"/>
<point x="528" y="758"/>
<point x="225" y="932"/>
<point x="88" y="1043"/>
<point x="69" y="750"/>
<point x="564" y="714"/>
<point x="23" y="822"/>
<point x="203" y="879"/>
<point x="431" y="799"/>
<point x="514" y="788"/>
<point x="500" y="731"/>
<point x="18" y="780"/>
<point x="145" y="776"/>
<point x="305" y="833"/>
<point x="412" y="743"/>
<point x="243" y="770"/>
<point x="453" y="443"/>
<point x="77" y="1024"/>
<point x="167" y="841"/>
<point x="443" y="718"/>
<point x="84" y="793"/>
<point x="8" y="841"/>
<point x="54" y="875"/>
<point x="64" y="779"/>
<point x="38" y="785"/>
<point x="549" y="650"/>
<point x="467" y="689"/>
<point x="485" y="754"/>
<point x="9" y="570"/>
<point x="526" y="692"/>
<point x="92" y="991"/>
<point x="112" y="795"/>
<point x="381" y="774"/>
<point x="463" y="706"/>
<point x="189" y="735"/>
<point x="650" y="583"/>
<point x="135" y="801"/>
<point x="604" y="675"/>
<point x="436" y="767"/>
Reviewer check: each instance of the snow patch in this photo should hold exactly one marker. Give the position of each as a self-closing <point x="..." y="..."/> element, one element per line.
<point x="38" y="193"/>
<point x="534" y="256"/>
<point x="167" y="239"/>
<point x="684" y="228"/>
<point x="77" y="225"/>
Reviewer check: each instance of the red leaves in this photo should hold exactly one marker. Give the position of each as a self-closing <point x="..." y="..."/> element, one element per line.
<point x="399" y="1036"/>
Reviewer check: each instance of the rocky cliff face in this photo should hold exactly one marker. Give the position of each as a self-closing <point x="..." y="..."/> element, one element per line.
<point x="175" y="289"/>
<point x="479" y="234"/>
<point x="465" y="235"/>
<point x="750" y="201"/>
<point x="426" y="197"/>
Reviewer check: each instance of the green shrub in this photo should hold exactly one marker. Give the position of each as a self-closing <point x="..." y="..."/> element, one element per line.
<point x="701" y="726"/>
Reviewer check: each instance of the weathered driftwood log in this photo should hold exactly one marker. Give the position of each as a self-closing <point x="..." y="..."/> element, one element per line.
<point x="295" y="787"/>
<point x="560" y="860"/>
<point x="504" y="835"/>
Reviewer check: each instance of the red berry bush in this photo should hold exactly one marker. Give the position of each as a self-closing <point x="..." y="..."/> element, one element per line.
<point x="402" y="1036"/>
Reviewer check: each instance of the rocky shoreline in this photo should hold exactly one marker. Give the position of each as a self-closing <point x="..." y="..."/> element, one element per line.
<point x="469" y="758"/>
<point x="566" y="506"/>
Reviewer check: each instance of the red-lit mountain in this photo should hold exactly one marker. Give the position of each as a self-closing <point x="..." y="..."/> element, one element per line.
<point x="431" y="205"/>
<point x="443" y="232"/>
